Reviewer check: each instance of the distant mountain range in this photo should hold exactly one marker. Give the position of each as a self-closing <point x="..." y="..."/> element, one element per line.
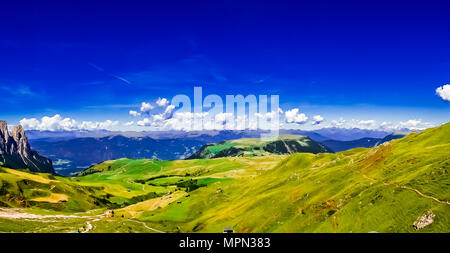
<point x="341" y="134"/>
<point x="338" y="146"/>
<point x="73" y="155"/>
<point x="73" y="151"/>
<point x="350" y="134"/>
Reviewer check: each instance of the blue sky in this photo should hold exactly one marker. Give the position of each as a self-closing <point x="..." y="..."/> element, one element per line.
<point x="96" y="61"/>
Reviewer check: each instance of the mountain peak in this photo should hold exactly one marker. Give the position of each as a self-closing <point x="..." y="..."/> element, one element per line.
<point x="16" y="153"/>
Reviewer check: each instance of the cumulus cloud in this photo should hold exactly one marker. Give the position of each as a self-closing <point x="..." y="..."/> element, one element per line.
<point x="317" y="119"/>
<point x="410" y="123"/>
<point x="386" y="125"/>
<point x="164" y="115"/>
<point x="30" y="124"/>
<point x="130" y="123"/>
<point x="162" y="102"/>
<point x="135" y="113"/>
<point x="169" y="110"/>
<point x="366" y="124"/>
<point x="444" y="92"/>
<point x="413" y="124"/>
<point x="57" y="123"/>
<point x="221" y="118"/>
<point x="292" y="116"/>
<point x="185" y="121"/>
<point x="54" y="123"/>
<point x="220" y="121"/>
<point x="182" y="121"/>
<point x="146" y="107"/>
<point x="267" y="116"/>
<point x="144" y="122"/>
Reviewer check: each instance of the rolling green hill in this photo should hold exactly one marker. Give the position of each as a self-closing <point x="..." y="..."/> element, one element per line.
<point x="399" y="186"/>
<point x="286" y="144"/>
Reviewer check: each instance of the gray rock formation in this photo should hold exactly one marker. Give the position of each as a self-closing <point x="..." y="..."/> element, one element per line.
<point x="424" y="220"/>
<point x="15" y="151"/>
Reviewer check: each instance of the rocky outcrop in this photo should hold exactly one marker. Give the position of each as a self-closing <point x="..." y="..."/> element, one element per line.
<point x="16" y="153"/>
<point x="424" y="220"/>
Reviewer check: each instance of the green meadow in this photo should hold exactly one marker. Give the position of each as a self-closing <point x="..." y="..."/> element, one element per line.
<point x="382" y="189"/>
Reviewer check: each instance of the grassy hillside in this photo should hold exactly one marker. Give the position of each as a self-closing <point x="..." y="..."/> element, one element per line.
<point x="382" y="189"/>
<point x="385" y="189"/>
<point x="286" y="144"/>
<point x="20" y="189"/>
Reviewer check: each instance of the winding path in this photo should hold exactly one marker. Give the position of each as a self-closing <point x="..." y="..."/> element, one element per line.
<point x="147" y="227"/>
<point x="409" y="188"/>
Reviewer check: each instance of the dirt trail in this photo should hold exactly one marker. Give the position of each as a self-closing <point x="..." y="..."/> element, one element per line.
<point x="408" y="188"/>
<point x="147" y="227"/>
<point x="15" y="213"/>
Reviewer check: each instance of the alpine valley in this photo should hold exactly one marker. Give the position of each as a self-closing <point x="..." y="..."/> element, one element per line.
<point x="293" y="183"/>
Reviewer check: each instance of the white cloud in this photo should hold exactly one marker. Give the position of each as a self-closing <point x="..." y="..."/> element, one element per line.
<point x="292" y="116"/>
<point x="162" y="102"/>
<point x="135" y="113"/>
<point x="169" y="109"/>
<point x="130" y="123"/>
<point x="362" y="124"/>
<point x="413" y="124"/>
<point x="220" y="121"/>
<point x="89" y="125"/>
<point x="410" y="123"/>
<point x="157" y="117"/>
<point x="30" y="124"/>
<point x="144" y="122"/>
<point x="386" y="125"/>
<point x="266" y="116"/>
<point x="181" y="121"/>
<point x="164" y="115"/>
<point x="444" y="92"/>
<point x="146" y="107"/>
<point x="57" y="123"/>
<point x="220" y="118"/>
<point x="365" y="124"/>
<point x="54" y="123"/>
<point x="338" y="123"/>
<point x="317" y="119"/>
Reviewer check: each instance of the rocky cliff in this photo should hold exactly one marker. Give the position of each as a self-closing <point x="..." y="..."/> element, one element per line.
<point x="15" y="151"/>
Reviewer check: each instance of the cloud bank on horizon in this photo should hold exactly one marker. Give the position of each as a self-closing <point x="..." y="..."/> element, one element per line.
<point x="58" y="123"/>
<point x="161" y="115"/>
